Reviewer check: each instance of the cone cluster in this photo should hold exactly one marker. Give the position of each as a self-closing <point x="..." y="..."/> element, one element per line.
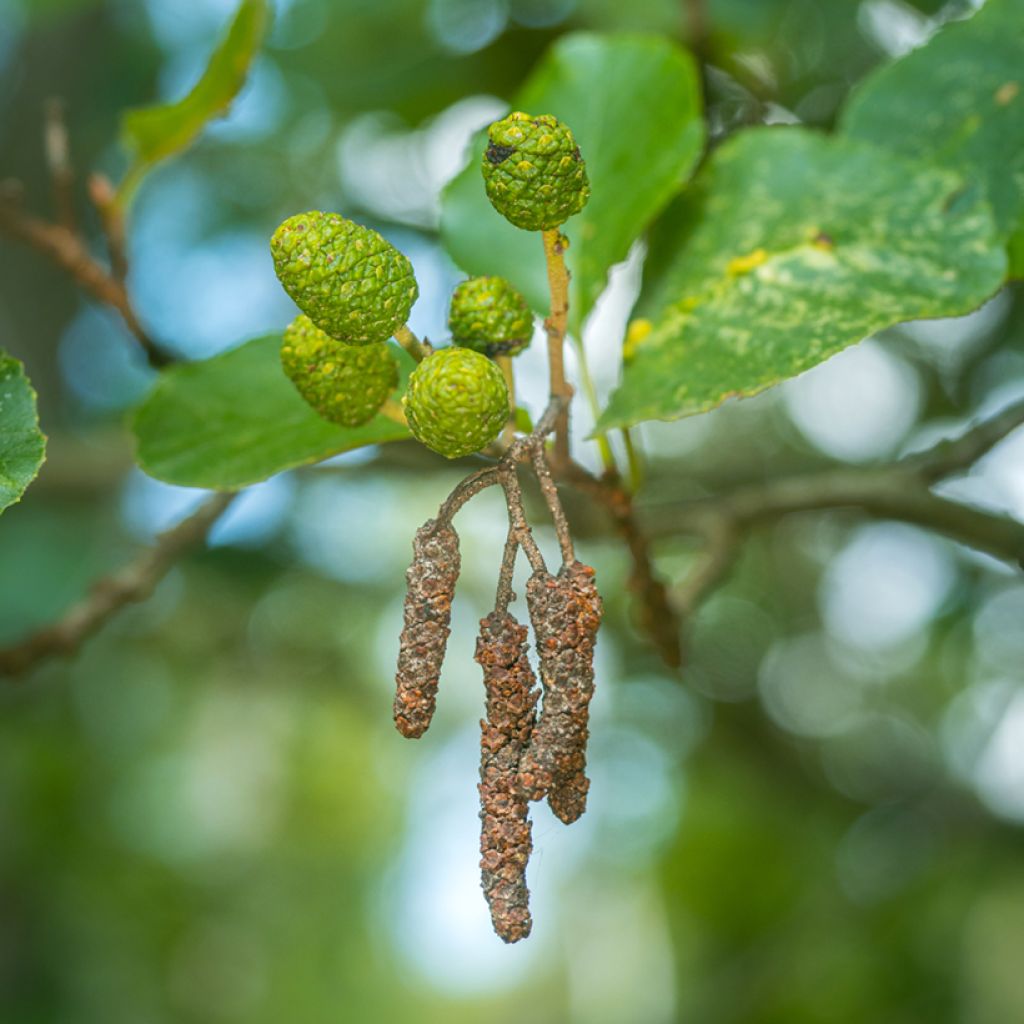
<point x="524" y="756"/>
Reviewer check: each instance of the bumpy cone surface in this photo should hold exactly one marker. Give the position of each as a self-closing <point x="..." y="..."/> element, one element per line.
<point x="505" y="839"/>
<point x="566" y="612"/>
<point x="346" y="384"/>
<point x="533" y="171"/>
<point x="430" y="581"/>
<point x="488" y="315"/>
<point x="457" y="402"/>
<point x="347" y="279"/>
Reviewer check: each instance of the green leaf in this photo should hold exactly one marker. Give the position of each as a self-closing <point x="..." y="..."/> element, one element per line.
<point x="236" y="419"/>
<point x="791" y="246"/>
<point x="633" y="103"/>
<point x="957" y="101"/>
<point x="22" y="446"/>
<point x="151" y="134"/>
<point x="1016" y="248"/>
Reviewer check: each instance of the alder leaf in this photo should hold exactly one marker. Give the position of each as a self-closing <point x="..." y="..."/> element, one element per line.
<point x="633" y="103"/>
<point x="236" y="419"/>
<point x="22" y="446"/>
<point x="958" y="101"/>
<point x="790" y="246"/>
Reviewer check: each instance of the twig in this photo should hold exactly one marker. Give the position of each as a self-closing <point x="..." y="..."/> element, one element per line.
<point x="590" y="392"/>
<point x="657" y="618"/>
<point x="68" y="251"/>
<point x="696" y="26"/>
<point x="633" y="461"/>
<point x="419" y="350"/>
<point x="716" y="559"/>
<point x="951" y="455"/>
<point x="133" y="583"/>
<point x="900" y="491"/>
<point x="466" y="489"/>
<point x="393" y="411"/>
<point x="886" y="493"/>
<point x="104" y="198"/>
<point x="550" y="492"/>
<point x="505" y="595"/>
<point x="517" y="518"/>
<point x="58" y="160"/>
<point x="505" y="365"/>
<point x="556" y="326"/>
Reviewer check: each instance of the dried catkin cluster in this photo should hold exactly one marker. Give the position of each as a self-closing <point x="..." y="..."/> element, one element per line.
<point x="430" y="583"/>
<point x="505" y="843"/>
<point x="566" y="612"/>
<point x="523" y="756"/>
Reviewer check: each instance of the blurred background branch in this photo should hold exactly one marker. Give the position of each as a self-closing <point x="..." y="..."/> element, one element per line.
<point x="62" y="242"/>
<point x="133" y="583"/>
<point x="899" y="491"/>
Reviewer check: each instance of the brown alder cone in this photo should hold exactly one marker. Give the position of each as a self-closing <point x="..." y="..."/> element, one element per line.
<point x="566" y="612"/>
<point x="505" y="839"/>
<point x="430" y="583"/>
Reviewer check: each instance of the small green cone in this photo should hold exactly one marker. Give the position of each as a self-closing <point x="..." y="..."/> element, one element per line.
<point x="346" y="384"/>
<point x="349" y="281"/>
<point x="488" y="315"/>
<point x="533" y="171"/>
<point x="457" y="402"/>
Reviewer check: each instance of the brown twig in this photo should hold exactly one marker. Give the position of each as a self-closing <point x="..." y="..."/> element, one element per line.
<point x="900" y="491"/>
<point x="950" y="456"/>
<point x="505" y="595"/>
<point x="550" y="492"/>
<point x="104" y="197"/>
<point x="67" y="250"/>
<point x="58" y="160"/>
<point x="517" y="518"/>
<point x="133" y="583"/>
<point x="61" y="241"/>
<point x="713" y="565"/>
<point x="657" y="618"/>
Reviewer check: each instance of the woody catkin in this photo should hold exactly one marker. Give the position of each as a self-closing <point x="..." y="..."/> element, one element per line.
<point x="505" y="840"/>
<point x="430" y="583"/>
<point x="566" y="613"/>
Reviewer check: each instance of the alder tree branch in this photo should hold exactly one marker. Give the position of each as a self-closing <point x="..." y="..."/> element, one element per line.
<point x="63" y="244"/>
<point x="656" y="616"/>
<point x="134" y="583"/>
<point x="900" y="491"/>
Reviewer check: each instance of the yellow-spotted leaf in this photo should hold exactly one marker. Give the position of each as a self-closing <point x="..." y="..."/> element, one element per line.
<point x="790" y="246"/>
<point x="958" y="101"/>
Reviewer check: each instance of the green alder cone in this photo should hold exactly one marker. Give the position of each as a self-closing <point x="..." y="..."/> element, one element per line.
<point x="346" y="384"/>
<point x="533" y="171"/>
<point x="488" y="315"/>
<point x="349" y="281"/>
<point x="457" y="402"/>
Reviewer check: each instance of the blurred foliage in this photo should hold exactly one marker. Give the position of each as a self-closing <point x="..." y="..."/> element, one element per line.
<point x="154" y="133"/>
<point x="208" y="817"/>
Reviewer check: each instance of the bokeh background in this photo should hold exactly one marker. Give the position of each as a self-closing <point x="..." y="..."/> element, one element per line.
<point x="207" y="815"/>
